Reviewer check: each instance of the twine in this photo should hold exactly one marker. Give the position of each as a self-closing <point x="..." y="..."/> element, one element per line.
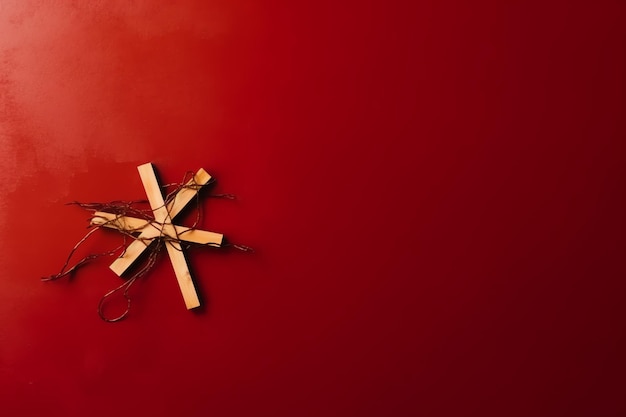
<point x="129" y="208"/>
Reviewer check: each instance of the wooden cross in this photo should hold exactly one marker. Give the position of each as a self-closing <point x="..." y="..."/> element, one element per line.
<point x="162" y="226"/>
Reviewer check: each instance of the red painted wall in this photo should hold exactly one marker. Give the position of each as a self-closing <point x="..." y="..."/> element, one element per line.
<point x="435" y="191"/>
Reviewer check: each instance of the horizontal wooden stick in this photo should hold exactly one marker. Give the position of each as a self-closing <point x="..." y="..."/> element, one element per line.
<point x="115" y="221"/>
<point x="153" y="229"/>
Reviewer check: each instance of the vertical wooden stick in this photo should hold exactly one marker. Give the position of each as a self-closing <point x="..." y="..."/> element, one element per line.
<point x="161" y="215"/>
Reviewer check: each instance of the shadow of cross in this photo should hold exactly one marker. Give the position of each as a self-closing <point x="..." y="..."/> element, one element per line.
<point x="160" y="227"/>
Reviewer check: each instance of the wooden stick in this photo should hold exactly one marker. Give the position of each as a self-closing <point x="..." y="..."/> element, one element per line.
<point x="201" y="237"/>
<point x="175" y="251"/>
<point x="181" y="269"/>
<point x="154" y="230"/>
<point x="115" y="221"/>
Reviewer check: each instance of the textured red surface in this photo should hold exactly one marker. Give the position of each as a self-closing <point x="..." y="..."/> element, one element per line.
<point x="435" y="191"/>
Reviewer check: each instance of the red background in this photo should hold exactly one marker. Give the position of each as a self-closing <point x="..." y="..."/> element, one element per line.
<point x="435" y="191"/>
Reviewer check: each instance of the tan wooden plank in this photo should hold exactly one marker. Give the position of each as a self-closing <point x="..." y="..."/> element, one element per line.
<point x="115" y="221"/>
<point x="154" y="193"/>
<point x="161" y="215"/>
<point x="133" y="251"/>
<point x="183" y="276"/>
<point x="188" y="193"/>
<point x="201" y="237"/>
<point x="152" y="230"/>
